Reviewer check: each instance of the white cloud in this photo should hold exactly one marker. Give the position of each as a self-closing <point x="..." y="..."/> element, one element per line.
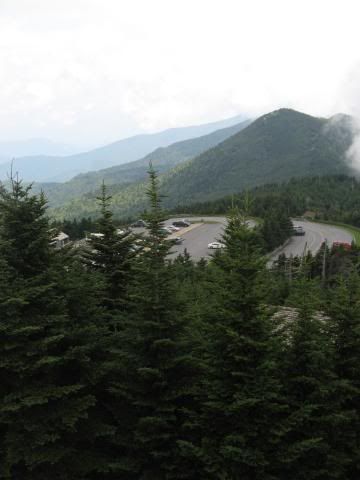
<point x="89" y="71"/>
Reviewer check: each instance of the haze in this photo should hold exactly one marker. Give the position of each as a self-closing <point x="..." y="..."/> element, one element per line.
<point x="88" y="72"/>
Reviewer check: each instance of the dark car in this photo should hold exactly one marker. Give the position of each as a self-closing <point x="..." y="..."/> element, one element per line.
<point x="177" y="240"/>
<point x="181" y="223"/>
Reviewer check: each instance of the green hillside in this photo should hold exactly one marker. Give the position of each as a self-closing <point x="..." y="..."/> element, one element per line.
<point x="163" y="159"/>
<point x="48" y="168"/>
<point x="327" y="198"/>
<point x="276" y="147"/>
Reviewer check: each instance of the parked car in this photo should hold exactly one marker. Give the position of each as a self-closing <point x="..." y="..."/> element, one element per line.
<point x="181" y="223"/>
<point x="172" y="228"/>
<point x="216" y="245"/>
<point x="343" y="245"/>
<point x="138" y="224"/>
<point x="298" y="230"/>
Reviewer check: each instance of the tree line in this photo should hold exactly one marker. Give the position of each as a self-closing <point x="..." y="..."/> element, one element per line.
<point x="329" y="197"/>
<point x="116" y="363"/>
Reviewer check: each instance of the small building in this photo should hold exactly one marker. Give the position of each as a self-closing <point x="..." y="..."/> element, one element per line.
<point x="61" y="240"/>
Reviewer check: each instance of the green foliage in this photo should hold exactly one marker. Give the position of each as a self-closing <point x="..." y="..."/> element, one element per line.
<point x="276" y="228"/>
<point x="120" y="364"/>
<point x="164" y="159"/>
<point x="111" y="251"/>
<point x="159" y="366"/>
<point x="279" y="146"/>
<point x="76" y="229"/>
<point x="309" y="380"/>
<point x="334" y="198"/>
<point x="241" y="390"/>
<point x="49" y="349"/>
<point x="343" y="308"/>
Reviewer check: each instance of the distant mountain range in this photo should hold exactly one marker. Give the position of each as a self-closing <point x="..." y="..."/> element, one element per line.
<point x="34" y="146"/>
<point x="278" y="146"/>
<point x="45" y="168"/>
<point x="163" y="159"/>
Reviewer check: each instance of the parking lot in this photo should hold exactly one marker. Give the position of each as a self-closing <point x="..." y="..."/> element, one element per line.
<point x="204" y="230"/>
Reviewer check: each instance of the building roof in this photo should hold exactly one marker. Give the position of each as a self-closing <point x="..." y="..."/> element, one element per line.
<point x="61" y="236"/>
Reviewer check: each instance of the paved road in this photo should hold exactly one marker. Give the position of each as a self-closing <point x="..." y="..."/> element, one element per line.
<point x="197" y="239"/>
<point x="315" y="235"/>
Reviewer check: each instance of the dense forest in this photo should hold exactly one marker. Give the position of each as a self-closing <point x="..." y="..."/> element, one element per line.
<point x="116" y="363"/>
<point x="331" y="197"/>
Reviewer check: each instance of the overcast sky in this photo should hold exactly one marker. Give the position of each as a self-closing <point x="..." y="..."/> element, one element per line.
<point x="92" y="71"/>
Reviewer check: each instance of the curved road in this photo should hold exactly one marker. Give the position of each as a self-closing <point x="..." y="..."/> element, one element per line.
<point x="209" y="229"/>
<point x="315" y="235"/>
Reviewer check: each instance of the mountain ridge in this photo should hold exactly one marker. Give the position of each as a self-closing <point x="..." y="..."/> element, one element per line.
<point x="163" y="159"/>
<point x="278" y="146"/>
<point x="59" y="168"/>
<point x="10" y="149"/>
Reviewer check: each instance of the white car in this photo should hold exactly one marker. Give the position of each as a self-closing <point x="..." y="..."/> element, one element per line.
<point x="171" y="228"/>
<point x="216" y="245"/>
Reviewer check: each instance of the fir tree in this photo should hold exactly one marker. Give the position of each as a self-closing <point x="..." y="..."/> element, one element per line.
<point x="241" y="403"/>
<point x="344" y="311"/>
<point x="310" y="384"/>
<point x="48" y="378"/>
<point x="112" y="254"/>
<point x="159" y="370"/>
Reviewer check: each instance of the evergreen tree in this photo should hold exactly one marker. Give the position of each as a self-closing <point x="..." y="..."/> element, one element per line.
<point x="112" y="253"/>
<point x="241" y="404"/>
<point x="158" y="368"/>
<point x="276" y="228"/>
<point x="310" y="387"/>
<point x="48" y="416"/>
<point x="344" y="311"/>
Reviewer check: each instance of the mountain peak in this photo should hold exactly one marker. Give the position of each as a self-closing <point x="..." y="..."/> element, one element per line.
<point x="281" y="145"/>
<point x="286" y="112"/>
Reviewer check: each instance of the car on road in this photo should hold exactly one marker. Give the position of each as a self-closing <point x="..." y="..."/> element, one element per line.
<point x="176" y="240"/>
<point x="216" y="245"/>
<point x="181" y="223"/>
<point x="298" y="230"/>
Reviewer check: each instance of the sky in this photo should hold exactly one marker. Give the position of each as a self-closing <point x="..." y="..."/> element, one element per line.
<point x="88" y="72"/>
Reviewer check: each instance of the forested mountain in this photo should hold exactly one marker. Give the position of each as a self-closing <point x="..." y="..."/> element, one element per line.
<point x="330" y="197"/>
<point x="57" y="168"/>
<point x="276" y="147"/>
<point x="163" y="159"/>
